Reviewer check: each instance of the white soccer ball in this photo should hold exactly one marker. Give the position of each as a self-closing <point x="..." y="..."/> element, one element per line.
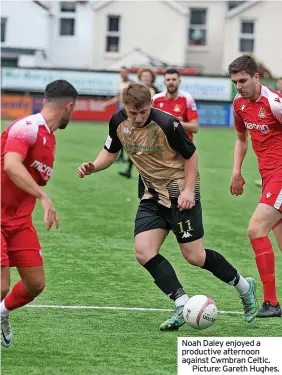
<point x="200" y="312"/>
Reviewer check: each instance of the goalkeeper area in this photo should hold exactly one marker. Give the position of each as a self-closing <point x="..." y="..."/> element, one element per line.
<point x="100" y="312"/>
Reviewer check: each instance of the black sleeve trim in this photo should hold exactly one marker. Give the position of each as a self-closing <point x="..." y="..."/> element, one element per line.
<point x="113" y="144"/>
<point x="175" y="133"/>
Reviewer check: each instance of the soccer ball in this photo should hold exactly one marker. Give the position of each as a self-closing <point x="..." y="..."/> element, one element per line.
<point x="200" y="312"/>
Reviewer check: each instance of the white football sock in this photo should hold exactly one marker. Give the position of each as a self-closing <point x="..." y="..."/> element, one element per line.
<point x="243" y="286"/>
<point x="180" y="301"/>
<point x="4" y="311"/>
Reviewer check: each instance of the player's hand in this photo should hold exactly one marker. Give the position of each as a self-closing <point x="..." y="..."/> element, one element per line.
<point x="236" y="184"/>
<point x="186" y="200"/>
<point x="86" y="169"/>
<point x="50" y="214"/>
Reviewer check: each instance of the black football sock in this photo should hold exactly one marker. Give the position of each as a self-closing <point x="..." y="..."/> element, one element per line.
<point x="220" y="267"/>
<point x="164" y="276"/>
<point x="121" y="154"/>
<point x="130" y="165"/>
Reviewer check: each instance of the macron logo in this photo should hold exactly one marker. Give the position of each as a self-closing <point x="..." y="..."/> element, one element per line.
<point x="262" y="128"/>
<point x="43" y="168"/>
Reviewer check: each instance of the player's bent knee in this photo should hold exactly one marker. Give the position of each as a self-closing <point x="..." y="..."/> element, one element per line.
<point x="194" y="252"/>
<point x="195" y="259"/>
<point x="143" y="256"/>
<point x="256" y="230"/>
<point x="36" y="288"/>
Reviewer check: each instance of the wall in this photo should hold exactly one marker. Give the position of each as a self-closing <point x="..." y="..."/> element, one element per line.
<point x="163" y="36"/>
<point x="27" y="27"/>
<point x="268" y="16"/>
<point x="208" y="57"/>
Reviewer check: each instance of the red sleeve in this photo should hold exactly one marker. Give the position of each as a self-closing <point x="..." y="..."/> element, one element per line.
<point x="154" y="102"/>
<point x="276" y="108"/>
<point x="238" y="121"/>
<point x="21" y="136"/>
<point x="191" y="108"/>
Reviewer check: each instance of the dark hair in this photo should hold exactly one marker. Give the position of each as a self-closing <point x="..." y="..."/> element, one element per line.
<point x="124" y="67"/>
<point x="60" y="89"/>
<point x="172" y="71"/>
<point x="136" y="95"/>
<point x="245" y="63"/>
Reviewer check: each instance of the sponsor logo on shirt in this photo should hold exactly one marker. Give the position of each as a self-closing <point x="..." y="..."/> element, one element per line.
<point x="42" y="168"/>
<point x="264" y="129"/>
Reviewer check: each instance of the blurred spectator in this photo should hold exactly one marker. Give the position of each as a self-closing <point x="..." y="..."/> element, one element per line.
<point x="279" y="85"/>
<point x="124" y="82"/>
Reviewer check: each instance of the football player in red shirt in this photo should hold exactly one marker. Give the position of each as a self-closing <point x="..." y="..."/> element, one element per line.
<point x="178" y="103"/>
<point x="27" y="157"/>
<point x="258" y="111"/>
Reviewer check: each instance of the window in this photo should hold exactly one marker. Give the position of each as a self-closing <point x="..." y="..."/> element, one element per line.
<point x="198" y="27"/>
<point x="247" y="36"/>
<point x="67" y="26"/>
<point x="3" y="29"/>
<point x="68" y="6"/>
<point x="113" y="34"/>
<point x="9" y="62"/>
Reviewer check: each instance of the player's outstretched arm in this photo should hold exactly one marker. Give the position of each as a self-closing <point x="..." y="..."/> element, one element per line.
<point x="240" y="151"/>
<point x="111" y="101"/>
<point x="17" y="172"/>
<point x="103" y="161"/>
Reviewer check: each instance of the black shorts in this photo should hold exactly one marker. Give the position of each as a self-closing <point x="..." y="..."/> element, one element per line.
<point x="187" y="225"/>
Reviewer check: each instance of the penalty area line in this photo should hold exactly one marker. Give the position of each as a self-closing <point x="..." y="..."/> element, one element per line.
<point x="116" y="308"/>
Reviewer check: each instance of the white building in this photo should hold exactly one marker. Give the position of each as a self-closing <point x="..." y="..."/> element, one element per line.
<point x="156" y="27"/>
<point x="24" y="33"/>
<point x="255" y="27"/>
<point x="47" y="33"/>
<point x="205" y="34"/>
<point x="107" y="34"/>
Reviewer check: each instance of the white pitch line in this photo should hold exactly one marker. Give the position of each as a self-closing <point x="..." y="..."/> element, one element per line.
<point x="117" y="308"/>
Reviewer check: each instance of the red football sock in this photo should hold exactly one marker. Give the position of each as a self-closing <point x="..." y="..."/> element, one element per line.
<point x="266" y="267"/>
<point x="18" y="297"/>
